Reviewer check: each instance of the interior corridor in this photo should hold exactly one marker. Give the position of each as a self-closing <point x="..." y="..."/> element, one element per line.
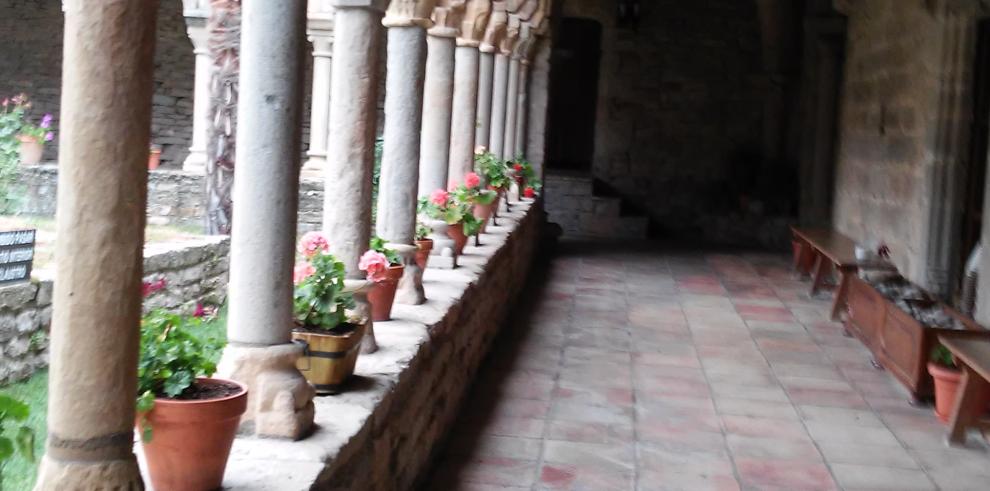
<point x="642" y="368"/>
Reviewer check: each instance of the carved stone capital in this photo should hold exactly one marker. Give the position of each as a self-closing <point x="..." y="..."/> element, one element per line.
<point x="474" y="22"/>
<point x="496" y="28"/>
<point x="447" y="17"/>
<point x="319" y="18"/>
<point x="409" y="13"/>
<point x="508" y="43"/>
<point x="525" y="9"/>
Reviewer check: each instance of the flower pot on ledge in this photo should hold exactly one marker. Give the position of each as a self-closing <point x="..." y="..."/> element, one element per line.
<point x="484" y="213"/>
<point x="382" y="295"/>
<point x="31" y="150"/>
<point x="154" y="158"/>
<point x="329" y="356"/>
<point x="456" y="232"/>
<point x="423" y="249"/>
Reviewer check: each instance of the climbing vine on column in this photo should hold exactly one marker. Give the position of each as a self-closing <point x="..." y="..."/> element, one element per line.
<point x="224" y="44"/>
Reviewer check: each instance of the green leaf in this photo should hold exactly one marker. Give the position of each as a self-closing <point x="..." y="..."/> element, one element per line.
<point x="24" y="442"/>
<point x="6" y="448"/>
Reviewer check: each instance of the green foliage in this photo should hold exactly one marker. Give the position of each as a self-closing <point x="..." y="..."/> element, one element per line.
<point x="422" y="231"/>
<point x="942" y="356"/>
<point x="456" y="209"/>
<point x="20" y="471"/>
<point x="175" y="349"/>
<point x="377" y="244"/>
<point x="473" y="196"/>
<point x="15" y="435"/>
<point x="13" y="122"/>
<point x="319" y="300"/>
<point x="494" y="170"/>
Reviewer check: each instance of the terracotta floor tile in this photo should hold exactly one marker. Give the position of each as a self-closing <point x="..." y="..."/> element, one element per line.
<point x="763" y="473"/>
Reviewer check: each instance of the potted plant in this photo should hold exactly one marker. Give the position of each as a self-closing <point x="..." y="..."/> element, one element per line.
<point x="482" y="200"/>
<point x="154" y="157"/>
<point x="424" y="245"/>
<point x="523" y="174"/>
<point x="943" y="368"/>
<point x="32" y="138"/>
<point x="16" y="437"/>
<point x="495" y="172"/>
<point x="384" y="267"/>
<point x="187" y="421"/>
<point x="330" y="335"/>
<point x="445" y="206"/>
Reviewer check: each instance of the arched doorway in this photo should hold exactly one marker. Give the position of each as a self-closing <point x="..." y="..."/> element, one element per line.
<point x="574" y="95"/>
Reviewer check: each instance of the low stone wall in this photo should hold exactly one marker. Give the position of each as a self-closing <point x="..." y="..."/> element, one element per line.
<point x="193" y="271"/>
<point x="175" y="197"/>
<point x="379" y="434"/>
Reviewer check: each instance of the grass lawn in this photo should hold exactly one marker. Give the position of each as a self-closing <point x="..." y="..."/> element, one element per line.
<point x="18" y="473"/>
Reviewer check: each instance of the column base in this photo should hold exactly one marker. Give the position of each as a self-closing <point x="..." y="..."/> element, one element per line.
<point x="195" y="162"/>
<point x="315" y="167"/>
<point x="442" y="256"/>
<point x="281" y="400"/>
<point x="57" y="475"/>
<point x="410" y="289"/>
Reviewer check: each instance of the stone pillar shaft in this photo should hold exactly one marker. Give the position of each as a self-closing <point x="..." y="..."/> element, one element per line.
<point x="499" y="99"/>
<point x="320" y="111"/>
<point x="198" y="34"/>
<point x="434" y="154"/>
<point x="486" y="82"/>
<point x="106" y="122"/>
<point x="463" y="123"/>
<point x="522" y="110"/>
<point x="398" y="184"/>
<point x="511" y="99"/>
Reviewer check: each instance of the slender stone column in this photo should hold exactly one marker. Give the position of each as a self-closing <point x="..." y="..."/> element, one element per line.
<point x="196" y="13"/>
<point x="406" y="21"/>
<point x="522" y="106"/>
<point x="262" y="249"/>
<point x="466" y="99"/>
<point x="106" y="122"/>
<point x="511" y="101"/>
<point x="494" y="30"/>
<point x="319" y="29"/>
<point x="434" y="150"/>
<point x="499" y="98"/>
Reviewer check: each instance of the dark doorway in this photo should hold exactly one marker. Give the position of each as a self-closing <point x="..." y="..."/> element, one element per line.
<point x="976" y="171"/>
<point x="574" y="95"/>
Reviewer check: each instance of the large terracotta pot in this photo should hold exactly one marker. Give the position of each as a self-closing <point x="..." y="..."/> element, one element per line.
<point x="191" y="439"/>
<point x="456" y="232"/>
<point x="31" y="150"/>
<point x="329" y="357"/>
<point x="484" y="213"/>
<point x="423" y="248"/>
<point x="947" y="382"/>
<point x="383" y="294"/>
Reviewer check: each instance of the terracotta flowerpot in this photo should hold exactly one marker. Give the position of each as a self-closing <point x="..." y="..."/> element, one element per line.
<point x="191" y="439"/>
<point x="154" y="159"/>
<point x="456" y="232"/>
<point x="947" y="382"/>
<point x="423" y="248"/>
<point x="31" y="150"/>
<point x="330" y="357"/>
<point x="484" y="213"/>
<point x="383" y="294"/>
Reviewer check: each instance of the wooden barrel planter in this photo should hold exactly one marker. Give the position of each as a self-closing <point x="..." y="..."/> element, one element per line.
<point x="329" y="357"/>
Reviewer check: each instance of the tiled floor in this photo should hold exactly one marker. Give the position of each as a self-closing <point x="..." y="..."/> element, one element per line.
<point x="652" y="370"/>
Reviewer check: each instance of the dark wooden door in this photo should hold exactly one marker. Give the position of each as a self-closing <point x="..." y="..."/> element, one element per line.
<point x="574" y="95"/>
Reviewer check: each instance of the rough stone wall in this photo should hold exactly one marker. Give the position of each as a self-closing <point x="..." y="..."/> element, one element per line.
<point x="886" y="123"/>
<point x="680" y="103"/>
<point x="174" y="197"/>
<point x="193" y="270"/>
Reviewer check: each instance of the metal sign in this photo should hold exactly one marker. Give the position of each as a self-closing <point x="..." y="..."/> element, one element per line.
<point x="16" y="255"/>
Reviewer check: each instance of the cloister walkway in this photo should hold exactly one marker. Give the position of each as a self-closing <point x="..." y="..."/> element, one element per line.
<point x="651" y="370"/>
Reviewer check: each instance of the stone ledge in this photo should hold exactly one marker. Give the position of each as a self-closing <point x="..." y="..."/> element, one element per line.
<point x="381" y="433"/>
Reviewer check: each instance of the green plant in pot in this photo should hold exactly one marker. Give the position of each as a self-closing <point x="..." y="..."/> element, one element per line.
<point x="384" y="267"/>
<point x="456" y="212"/>
<point x="424" y="244"/>
<point x="482" y="200"/>
<point x="187" y="421"/>
<point x="325" y="320"/>
<point x="496" y="174"/>
<point x="15" y="436"/>
<point x="14" y="122"/>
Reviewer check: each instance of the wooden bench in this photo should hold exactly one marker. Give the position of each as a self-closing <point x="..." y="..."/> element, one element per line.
<point x="822" y="250"/>
<point x="973" y="357"/>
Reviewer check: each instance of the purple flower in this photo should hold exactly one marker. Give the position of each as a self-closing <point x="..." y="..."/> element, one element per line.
<point x="49" y="136"/>
<point x="46" y="121"/>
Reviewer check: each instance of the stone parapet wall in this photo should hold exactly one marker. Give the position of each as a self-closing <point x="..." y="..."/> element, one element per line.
<point x="193" y="270"/>
<point x="381" y="433"/>
<point x="175" y="197"/>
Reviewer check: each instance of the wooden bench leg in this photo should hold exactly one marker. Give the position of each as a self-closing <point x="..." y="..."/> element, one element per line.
<point x="797" y="246"/>
<point x="839" y="302"/>
<point x="969" y="407"/>
<point x="821" y="265"/>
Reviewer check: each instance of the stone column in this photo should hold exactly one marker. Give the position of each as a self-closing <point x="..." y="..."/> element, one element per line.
<point x="434" y="150"/>
<point x="106" y="123"/>
<point x="499" y="97"/>
<point x="406" y="21"/>
<point x="196" y="13"/>
<point x="466" y="98"/>
<point x="522" y="107"/>
<point x="511" y="101"/>
<point x="351" y="139"/>
<point x="494" y="30"/>
<point x="538" y="98"/>
<point x="319" y="29"/>
<point x="259" y="352"/>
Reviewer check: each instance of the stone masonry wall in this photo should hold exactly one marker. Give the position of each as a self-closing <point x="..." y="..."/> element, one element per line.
<point x="174" y="197"/>
<point x="193" y="271"/>
<point x="680" y="108"/>
<point x="885" y="129"/>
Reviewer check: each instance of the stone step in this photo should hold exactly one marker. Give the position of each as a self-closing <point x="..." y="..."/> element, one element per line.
<point x="572" y="203"/>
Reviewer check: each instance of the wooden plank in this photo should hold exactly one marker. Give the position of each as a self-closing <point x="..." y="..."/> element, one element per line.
<point x="838" y="248"/>
<point x="974" y="352"/>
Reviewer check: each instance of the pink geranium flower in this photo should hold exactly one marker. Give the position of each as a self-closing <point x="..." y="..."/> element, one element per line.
<point x="439" y="197"/>
<point x="471" y="180"/>
<point x="301" y="272"/>
<point x="375" y="264"/>
<point x="313" y="243"/>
